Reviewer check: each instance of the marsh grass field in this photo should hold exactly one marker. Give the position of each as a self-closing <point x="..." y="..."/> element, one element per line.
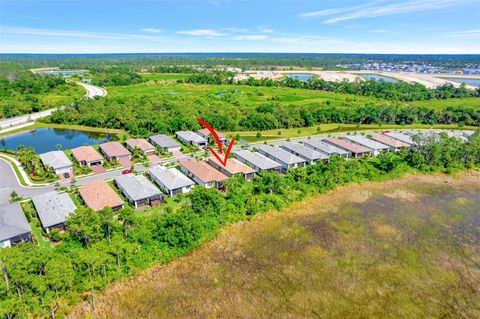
<point x="407" y="248"/>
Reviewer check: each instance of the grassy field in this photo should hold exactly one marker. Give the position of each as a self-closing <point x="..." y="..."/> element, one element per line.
<point x="407" y="248"/>
<point x="163" y="76"/>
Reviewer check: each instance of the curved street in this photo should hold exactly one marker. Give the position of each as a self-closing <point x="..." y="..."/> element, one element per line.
<point x="93" y="90"/>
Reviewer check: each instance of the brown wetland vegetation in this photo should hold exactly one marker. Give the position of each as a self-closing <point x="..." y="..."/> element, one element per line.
<point x="408" y="248"/>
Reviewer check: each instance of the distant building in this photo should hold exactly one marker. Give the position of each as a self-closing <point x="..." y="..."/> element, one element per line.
<point x="232" y="167"/>
<point x="171" y="180"/>
<point x="53" y="209"/>
<point x="141" y="144"/>
<point x="391" y="142"/>
<point x="354" y="149"/>
<point x="164" y="142"/>
<point x="114" y="151"/>
<point x="58" y="161"/>
<point x="86" y="155"/>
<point x="98" y="194"/>
<point x="139" y="190"/>
<point x="14" y="227"/>
<point x="374" y="145"/>
<point x="327" y="149"/>
<point x="202" y="173"/>
<point x="307" y="153"/>
<point x="257" y="161"/>
<point x="279" y="155"/>
<point x="191" y="138"/>
<point x="400" y="137"/>
<point x="205" y="134"/>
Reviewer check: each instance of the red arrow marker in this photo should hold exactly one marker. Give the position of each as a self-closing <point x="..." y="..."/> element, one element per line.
<point x="219" y="143"/>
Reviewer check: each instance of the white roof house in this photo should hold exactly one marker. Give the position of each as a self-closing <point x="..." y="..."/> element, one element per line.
<point x="165" y="142"/>
<point x="256" y="160"/>
<point x="53" y="209"/>
<point x="138" y="189"/>
<point x="326" y="148"/>
<point x="377" y="147"/>
<point x="14" y="227"/>
<point x="170" y="180"/>
<point x="305" y="152"/>
<point x="190" y="137"/>
<point x="287" y="159"/>
<point x="58" y="161"/>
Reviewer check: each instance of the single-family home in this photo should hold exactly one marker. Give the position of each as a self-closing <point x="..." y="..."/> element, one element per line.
<point x="115" y="151"/>
<point x="202" y="173"/>
<point x="354" y="149"/>
<point x="139" y="190"/>
<point x="377" y="147"/>
<point x="170" y="180"/>
<point x="307" y="153"/>
<point x="322" y="147"/>
<point x="391" y="142"/>
<point x="257" y="161"/>
<point x="232" y="167"/>
<point x="14" y="227"/>
<point x="204" y="132"/>
<point x="98" y="194"/>
<point x="279" y="155"/>
<point x="400" y="137"/>
<point x="192" y="138"/>
<point x="58" y="161"/>
<point x="86" y="155"/>
<point x="165" y="142"/>
<point x="141" y="144"/>
<point x="53" y="209"/>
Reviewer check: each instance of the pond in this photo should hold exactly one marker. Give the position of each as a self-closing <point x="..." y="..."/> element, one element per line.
<point x="378" y="78"/>
<point x="45" y="139"/>
<point x="473" y="82"/>
<point x="300" y="76"/>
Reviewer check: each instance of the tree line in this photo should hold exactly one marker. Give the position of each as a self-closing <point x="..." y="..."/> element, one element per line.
<point x="99" y="248"/>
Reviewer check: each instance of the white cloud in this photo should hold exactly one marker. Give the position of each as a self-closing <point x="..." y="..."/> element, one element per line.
<point x="379" y="9"/>
<point x="152" y="30"/>
<point x="265" y="29"/>
<point x="251" y="37"/>
<point x="60" y="33"/>
<point x="202" y="33"/>
<point x="466" y="35"/>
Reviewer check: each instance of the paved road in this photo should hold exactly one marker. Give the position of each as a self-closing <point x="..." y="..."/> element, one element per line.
<point x="93" y="90"/>
<point x="19" y="120"/>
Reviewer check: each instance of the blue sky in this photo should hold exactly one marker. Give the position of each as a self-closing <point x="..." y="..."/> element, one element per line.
<point x="323" y="26"/>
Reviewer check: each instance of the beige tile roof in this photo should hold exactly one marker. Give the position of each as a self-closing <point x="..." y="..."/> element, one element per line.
<point x="206" y="132"/>
<point x="389" y="141"/>
<point x="140" y="143"/>
<point x="203" y="171"/>
<point x="98" y="195"/>
<point x="114" y="149"/>
<point x="233" y="166"/>
<point x="354" y="148"/>
<point x="86" y="153"/>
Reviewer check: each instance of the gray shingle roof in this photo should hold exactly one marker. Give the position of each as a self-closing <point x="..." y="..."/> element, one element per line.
<point x="324" y="147"/>
<point x="55" y="159"/>
<point x="12" y="221"/>
<point x="163" y="141"/>
<point x="304" y="151"/>
<point x="280" y="154"/>
<point x="172" y="178"/>
<point x="53" y="208"/>
<point x="137" y="187"/>
<point x="191" y="136"/>
<point x="362" y="140"/>
<point x="257" y="159"/>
